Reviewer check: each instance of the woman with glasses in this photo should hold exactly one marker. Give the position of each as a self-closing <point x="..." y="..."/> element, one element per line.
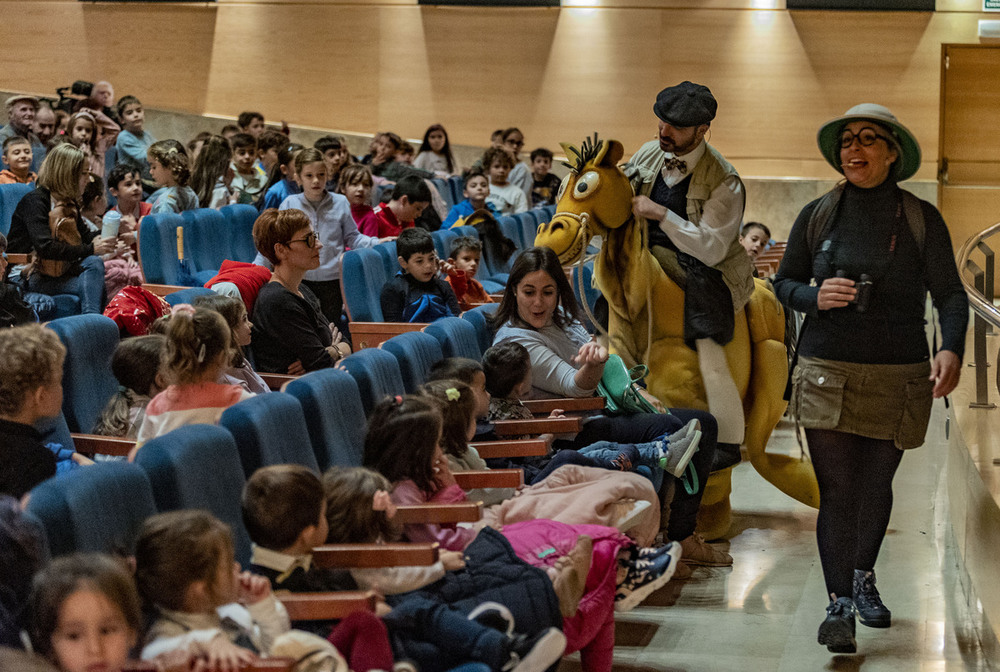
<point x="290" y="333"/>
<point x="47" y="221"/>
<point x="859" y="264"/>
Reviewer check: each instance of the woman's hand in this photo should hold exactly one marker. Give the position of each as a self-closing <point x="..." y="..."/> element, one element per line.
<point x="835" y="293"/>
<point x="657" y="404"/>
<point x="591" y="354"/>
<point x="296" y="368"/>
<point x="945" y="371"/>
<point x="104" y="245"/>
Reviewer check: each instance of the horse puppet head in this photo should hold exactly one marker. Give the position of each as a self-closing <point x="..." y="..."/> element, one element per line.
<point x="594" y="198"/>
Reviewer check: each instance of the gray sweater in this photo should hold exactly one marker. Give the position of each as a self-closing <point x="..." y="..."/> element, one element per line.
<point x="552" y="350"/>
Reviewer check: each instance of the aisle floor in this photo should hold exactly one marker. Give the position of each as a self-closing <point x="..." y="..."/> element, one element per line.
<point x="762" y="613"/>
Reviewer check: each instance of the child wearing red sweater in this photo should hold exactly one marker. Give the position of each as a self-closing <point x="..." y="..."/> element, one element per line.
<point x="461" y="267"/>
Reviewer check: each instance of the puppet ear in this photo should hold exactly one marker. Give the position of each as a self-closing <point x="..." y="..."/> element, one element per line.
<point x="613" y="153"/>
<point x="572" y="155"/>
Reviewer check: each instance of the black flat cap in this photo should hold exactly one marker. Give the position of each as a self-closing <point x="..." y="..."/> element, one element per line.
<point x="686" y="104"/>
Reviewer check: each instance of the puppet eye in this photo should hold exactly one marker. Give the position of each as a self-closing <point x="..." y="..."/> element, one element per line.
<point x="562" y="187"/>
<point x="586" y="185"/>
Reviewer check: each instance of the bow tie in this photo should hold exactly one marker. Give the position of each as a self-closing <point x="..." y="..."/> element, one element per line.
<point x="673" y="163"/>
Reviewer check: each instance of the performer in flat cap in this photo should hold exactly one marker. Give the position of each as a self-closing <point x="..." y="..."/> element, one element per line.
<point x="693" y="200"/>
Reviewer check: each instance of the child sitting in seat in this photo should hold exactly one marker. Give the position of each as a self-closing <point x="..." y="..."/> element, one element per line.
<point x="337" y="158"/>
<point x="125" y="184"/>
<point x="249" y="179"/>
<point x="31" y="371"/>
<point x="134" y="141"/>
<point x="356" y="184"/>
<point x="234" y="312"/>
<point x="93" y="132"/>
<point x="196" y="352"/>
<point x="17" y="155"/>
<point x="409" y="198"/>
<point x="545" y="185"/>
<point x="187" y="577"/>
<point x="282" y="182"/>
<point x="268" y="144"/>
<point x="476" y="189"/>
<point x="136" y="366"/>
<point x="169" y="167"/>
<point x="416" y="293"/>
<point x="754" y="237"/>
<point x="213" y="173"/>
<point x="461" y="267"/>
<point x="506" y="197"/>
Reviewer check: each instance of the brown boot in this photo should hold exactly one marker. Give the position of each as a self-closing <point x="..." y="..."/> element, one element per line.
<point x="682" y="573"/>
<point x="698" y="552"/>
<point x="571" y="575"/>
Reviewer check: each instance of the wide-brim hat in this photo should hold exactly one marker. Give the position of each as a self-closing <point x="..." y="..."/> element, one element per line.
<point x="828" y="138"/>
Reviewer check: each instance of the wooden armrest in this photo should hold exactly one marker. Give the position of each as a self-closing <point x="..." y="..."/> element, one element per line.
<point x="375" y="555"/>
<point x="489" y="478"/>
<point x="497" y="298"/>
<point x="462" y="512"/>
<point x="568" y="405"/>
<point x="326" y="606"/>
<point x="372" y="334"/>
<point x="261" y="665"/>
<point x="105" y="445"/>
<point x="276" y="381"/>
<point x="162" y="290"/>
<point x="15" y="258"/>
<point x="538" y="426"/>
<point x="527" y="448"/>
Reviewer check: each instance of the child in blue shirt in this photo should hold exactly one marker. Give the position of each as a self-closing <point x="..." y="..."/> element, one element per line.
<point x="417" y="293"/>
<point x="282" y="183"/>
<point x="133" y="141"/>
<point x="476" y="187"/>
<point x="168" y="164"/>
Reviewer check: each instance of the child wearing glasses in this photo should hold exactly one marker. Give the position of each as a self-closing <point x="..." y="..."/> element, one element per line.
<point x="330" y="215"/>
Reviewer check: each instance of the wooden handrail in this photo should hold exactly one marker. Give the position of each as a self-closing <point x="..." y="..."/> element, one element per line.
<point x="326" y="606"/>
<point x="537" y="406"/>
<point x="538" y="426"/>
<point x="276" y="381"/>
<point x="91" y="444"/>
<point x="527" y="448"/>
<point x="375" y="555"/>
<point x="372" y="334"/>
<point x="489" y="478"/>
<point x="162" y="290"/>
<point x="462" y="512"/>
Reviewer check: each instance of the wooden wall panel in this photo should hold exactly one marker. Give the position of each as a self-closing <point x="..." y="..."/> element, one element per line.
<point x="559" y="74"/>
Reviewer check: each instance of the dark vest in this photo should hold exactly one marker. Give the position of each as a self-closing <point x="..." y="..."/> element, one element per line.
<point x="673" y="199"/>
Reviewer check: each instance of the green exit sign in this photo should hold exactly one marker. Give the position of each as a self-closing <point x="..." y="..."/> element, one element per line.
<point x="991" y="5"/>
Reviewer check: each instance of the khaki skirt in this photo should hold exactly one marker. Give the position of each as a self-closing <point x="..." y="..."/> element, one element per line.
<point x="880" y="401"/>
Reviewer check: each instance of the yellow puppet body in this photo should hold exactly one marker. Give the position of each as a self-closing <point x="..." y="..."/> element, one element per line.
<point x="596" y="200"/>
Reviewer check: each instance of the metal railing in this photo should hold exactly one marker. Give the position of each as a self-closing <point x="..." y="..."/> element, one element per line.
<point x="987" y="317"/>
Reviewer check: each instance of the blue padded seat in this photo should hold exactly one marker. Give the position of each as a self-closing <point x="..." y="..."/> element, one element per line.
<point x="88" y="383"/>
<point x="158" y="248"/>
<point x="239" y="232"/>
<point x="10" y="196"/>
<point x="363" y="279"/>
<point x="270" y="429"/>
<point x="442" y="242"/>
<point x="477" y="317"/>
<point x="198" y="467"/>
<point x="97" y="509"/>
<point x="529" y="227"/>
<point x="457" y="337"/>
<point x="444" y="190"/>
<point x="377" y="374"/>
<point x="466" y="231"/>
<point x="187" y="295"/>
<point x="416" y="352"/>
<point x="511" y="228"/>
<point x="206" y="239"/>
<point x="334" y="416"/>
<point x="390" y="259"/>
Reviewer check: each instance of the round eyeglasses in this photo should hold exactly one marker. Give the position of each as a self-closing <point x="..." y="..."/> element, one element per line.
<point x="866" y="137"/>
<point x="310" y="240"/>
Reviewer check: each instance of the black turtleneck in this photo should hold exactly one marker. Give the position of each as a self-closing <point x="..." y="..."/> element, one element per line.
<point x="892" y="329"/>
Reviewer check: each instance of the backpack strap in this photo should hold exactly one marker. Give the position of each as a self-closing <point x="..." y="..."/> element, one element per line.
<point x="822" y="215"/>
<point x="915" y="219"/>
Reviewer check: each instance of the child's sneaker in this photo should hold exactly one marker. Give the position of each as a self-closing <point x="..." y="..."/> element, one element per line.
<point x="680" y="450"/>
<point x="837" y="630"/>
<point x="493" y="615"/>
<point x="646" y="575"/>
<point x="535" y="654"/>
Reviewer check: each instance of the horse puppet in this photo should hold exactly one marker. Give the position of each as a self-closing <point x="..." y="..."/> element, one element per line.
<point x="595" y="199"/>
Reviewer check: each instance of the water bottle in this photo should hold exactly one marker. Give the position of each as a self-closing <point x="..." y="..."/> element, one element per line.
<point x="112" y="220"/>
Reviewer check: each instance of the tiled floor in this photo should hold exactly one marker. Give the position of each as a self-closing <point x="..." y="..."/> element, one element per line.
<point x="762" y="614"/>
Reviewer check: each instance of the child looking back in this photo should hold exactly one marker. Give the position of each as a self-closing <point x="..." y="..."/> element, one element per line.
<point x="544" y="185"/>
<point x="754" y="238"/>
<point x="356" y="184"/>
<point x="213" y="173"/>
<point x="17" y="155"/>
<point x="170" y="170"/>
<point x="134" y="141"/>
<point x="476" y="189"/>
<point x="463" y="262"/>
<point x="194" y="356"/>
<point x="506" y="197"/>
<point x="416" y="293"/>
<point x="282" y="182"/>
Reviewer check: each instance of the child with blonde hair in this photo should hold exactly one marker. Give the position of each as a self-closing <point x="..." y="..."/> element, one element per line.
<point x="194" y="356"/>
<point x="170" y="171"/>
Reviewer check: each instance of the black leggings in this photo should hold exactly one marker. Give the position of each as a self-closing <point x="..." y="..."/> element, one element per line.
<point x="855" y="488"/>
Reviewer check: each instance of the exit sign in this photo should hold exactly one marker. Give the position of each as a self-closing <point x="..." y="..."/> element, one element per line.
<point x="991" y="5"/>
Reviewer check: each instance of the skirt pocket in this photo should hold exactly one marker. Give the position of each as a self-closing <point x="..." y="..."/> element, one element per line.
<point x="916" y="413"/>
<point x="818" y="397"/>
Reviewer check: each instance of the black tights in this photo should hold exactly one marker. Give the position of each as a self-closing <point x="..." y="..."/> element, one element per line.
<point x="855" y="487"/>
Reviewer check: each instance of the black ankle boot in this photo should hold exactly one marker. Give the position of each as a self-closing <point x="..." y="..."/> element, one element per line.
<point x="837" y="631"/>
<point x="726" y="455"/>
<point x="871" y="611"/>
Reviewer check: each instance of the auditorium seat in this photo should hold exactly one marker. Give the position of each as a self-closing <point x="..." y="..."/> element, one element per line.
<point x="10" y="196"/>
<point x="415" y="352"/>
<point x="334" y="416"/>
<point x="270" y="429"/>
<point x="88" y="383"/>
<point x="240" y="219"/>
<point x="377" y="375"/>
<point x="457" y="337"/>
<point x="478" y="318"/>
